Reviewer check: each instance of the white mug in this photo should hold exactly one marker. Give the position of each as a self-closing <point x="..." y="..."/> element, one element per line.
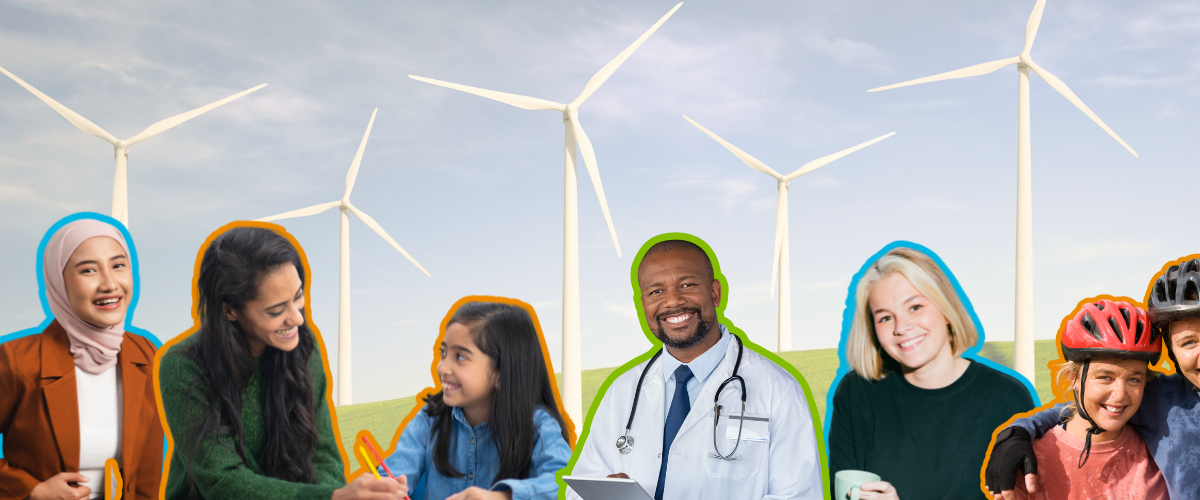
<point x="848" y="483"/>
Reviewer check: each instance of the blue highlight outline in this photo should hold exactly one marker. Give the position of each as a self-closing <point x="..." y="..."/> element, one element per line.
<point x="848" y="320"/>
<point x="41" y="279"/>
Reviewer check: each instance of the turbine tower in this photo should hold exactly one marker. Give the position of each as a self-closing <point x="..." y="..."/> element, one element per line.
<point x="1023" y="331"/>
<point x="572" y="377"/>
<point x="781" y="263"/>
<point x="120" y="203"/>
<point x="346" y="208"/>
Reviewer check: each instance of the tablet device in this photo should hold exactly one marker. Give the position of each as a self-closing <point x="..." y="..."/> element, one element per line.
<point x="606" y="488"/>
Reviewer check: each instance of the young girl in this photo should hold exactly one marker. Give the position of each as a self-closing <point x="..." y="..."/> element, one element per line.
<point x="1093" y="453"/>
<point x="494" y="431"/>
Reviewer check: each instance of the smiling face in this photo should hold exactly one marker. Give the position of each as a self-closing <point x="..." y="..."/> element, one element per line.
<point x="909" y="328"/>
<point x="274" y="317"/>
<point x="468" y="379"/>
<point x="1113" y="392"/>
<point x="1185" y="345"/>
<point x="99" y="282"/>
<point x="680" y="298"/>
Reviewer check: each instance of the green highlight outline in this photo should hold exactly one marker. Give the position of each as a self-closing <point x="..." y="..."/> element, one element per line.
<point x="656" y="344"/>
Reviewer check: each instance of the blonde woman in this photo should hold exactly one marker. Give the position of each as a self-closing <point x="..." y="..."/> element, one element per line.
<point x="914" y="411"/>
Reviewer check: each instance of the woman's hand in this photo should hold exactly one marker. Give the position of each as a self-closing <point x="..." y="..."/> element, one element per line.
<point x="878" y="490"/>
<point x="477" y="493"/>
<point x="369" y="488"/>
<point x="56" y="488"/>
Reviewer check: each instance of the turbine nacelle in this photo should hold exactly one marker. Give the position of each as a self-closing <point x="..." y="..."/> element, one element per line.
<point x="1023" y="60"/>
<point x="120" y="210"/>
<point x="781" y="184"/>
<point x="570" y="113"/>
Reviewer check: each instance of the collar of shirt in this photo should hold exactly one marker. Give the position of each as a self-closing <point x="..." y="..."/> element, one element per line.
<point x="460" y="416"/>
<point x="702" y="367"/>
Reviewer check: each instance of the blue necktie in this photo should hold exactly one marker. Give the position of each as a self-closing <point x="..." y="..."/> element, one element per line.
<point x="680" y="406"/>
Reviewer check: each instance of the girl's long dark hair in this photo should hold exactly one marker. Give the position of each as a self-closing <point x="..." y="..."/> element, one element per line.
<point x="232" y="269"/>
<point x="507" y="335"/>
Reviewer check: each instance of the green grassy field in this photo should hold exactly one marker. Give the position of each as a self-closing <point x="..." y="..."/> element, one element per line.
<point x="818" y="367"/>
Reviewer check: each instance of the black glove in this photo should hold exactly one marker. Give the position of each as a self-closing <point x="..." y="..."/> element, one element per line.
<point x="1013" y="450"/>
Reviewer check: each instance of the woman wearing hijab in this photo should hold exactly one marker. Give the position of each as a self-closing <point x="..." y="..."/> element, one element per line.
<point x="81" y="391"/>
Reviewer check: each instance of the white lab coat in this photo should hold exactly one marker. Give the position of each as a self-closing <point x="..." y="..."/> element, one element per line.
<point x="786" y="467"/>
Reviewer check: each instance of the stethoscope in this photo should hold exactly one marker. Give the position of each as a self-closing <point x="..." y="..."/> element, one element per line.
<point x="625" y="443"/>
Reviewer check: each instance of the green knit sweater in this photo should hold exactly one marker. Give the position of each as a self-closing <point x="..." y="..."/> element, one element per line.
<point x="218" y="472"/>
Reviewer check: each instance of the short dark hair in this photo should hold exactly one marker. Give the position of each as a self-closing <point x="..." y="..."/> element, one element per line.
<point x="674" y="245"/>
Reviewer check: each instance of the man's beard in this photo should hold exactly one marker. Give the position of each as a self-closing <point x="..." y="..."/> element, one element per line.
<point x="703" y="325"/>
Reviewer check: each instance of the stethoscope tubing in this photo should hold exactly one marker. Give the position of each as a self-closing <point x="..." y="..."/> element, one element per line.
<point x="625" y="442"/>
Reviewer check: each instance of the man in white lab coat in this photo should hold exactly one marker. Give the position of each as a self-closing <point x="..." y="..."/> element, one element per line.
<point x="674" y="455"/>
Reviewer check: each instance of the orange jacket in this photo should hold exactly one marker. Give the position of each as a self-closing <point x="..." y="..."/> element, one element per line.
<point x="39" y="414"/>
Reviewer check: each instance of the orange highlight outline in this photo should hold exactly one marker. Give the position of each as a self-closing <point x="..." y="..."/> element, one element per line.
<point x="429" y="391"/>
<point x="320" y="344"/>
<point x="1060" y="388"/>
<point x="112" y="474"/>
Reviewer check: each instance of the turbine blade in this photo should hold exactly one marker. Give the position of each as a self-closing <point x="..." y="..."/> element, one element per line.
<point x="749" y="160"/>
<point x="1066" y="92"/>
<point x="71" y="116"/>
<point x="353" y="174"/>
<point x="825" y="160"/>
<point x="313" y="210"/>
<point x="601" y="76"/>
<point x="519" y="101"/>
<point x="976" y="70"/>
<point x="589" y="159"/>
<point x="780" y="223"/>
<point x="379" y="230"/>
<point x="164" y="125"/>
<point x="1031" y="29"/>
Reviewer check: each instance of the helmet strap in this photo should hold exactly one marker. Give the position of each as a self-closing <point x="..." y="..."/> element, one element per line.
<point x="1094" y="429"/>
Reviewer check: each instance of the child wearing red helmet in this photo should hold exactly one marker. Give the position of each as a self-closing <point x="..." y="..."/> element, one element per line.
<point x="1169" y="419"/>
<point x="1093" y="453"/>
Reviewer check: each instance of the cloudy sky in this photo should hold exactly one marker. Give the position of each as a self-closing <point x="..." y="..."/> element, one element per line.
<point x="473" y="190"/>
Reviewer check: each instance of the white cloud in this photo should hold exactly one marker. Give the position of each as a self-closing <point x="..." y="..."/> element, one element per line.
<point x="843" y="50"/>
<point x="822" y="182"/>
<point x="1141" y="81"/>
<point x="625" y="310"/>
<point x="728" y="192"/>
<point x="933" y="204"/>
<point x="1184" y="16"/>
<point x="1071" y="251"/>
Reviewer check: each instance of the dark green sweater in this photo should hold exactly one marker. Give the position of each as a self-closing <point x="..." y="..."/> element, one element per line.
<point x="929" y="443"/>
<point x="218" y="471"/>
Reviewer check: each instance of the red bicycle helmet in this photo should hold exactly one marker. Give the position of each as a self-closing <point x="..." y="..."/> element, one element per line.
<point x="1108" y="329"/>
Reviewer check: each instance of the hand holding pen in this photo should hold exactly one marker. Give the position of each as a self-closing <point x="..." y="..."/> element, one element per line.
<point x="361" y="450"/>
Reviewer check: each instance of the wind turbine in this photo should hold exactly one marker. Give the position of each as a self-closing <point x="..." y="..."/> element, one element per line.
<point x="1023" y="334"/>
<point x="120" y="203"/>
<point x="346" y="208"/>
<point x="781" y="263"/>
<point x="572" y="377"/>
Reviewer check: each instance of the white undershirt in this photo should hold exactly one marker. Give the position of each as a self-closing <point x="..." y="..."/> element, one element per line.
<point x="99" y="424"/>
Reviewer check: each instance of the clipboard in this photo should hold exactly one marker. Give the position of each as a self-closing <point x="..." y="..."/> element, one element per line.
<point x="607" y="488"/>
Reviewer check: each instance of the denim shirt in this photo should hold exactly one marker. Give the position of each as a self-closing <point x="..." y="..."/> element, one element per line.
<point x="473" y="452"/>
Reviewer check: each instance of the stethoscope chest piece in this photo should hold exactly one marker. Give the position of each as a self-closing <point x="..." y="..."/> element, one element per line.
<point x="625" y="444"/>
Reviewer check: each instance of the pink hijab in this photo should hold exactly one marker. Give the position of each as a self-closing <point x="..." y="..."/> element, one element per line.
<point x="94" y="349"/>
